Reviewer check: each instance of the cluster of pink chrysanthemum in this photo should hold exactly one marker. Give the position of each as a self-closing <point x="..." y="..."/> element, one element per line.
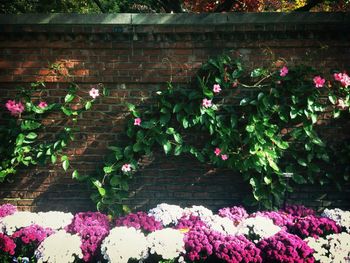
<point x="139" y="220"/>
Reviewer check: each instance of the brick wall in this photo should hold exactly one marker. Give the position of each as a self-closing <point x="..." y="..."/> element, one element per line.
<point x="134" y="55"/>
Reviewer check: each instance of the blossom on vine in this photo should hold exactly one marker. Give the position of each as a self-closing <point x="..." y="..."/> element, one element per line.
<point x="126" y="168"/>
<point x="343" y="78"/>
<point x="283" y="71"/>
<point x="216" y="88"/>
<point x="42" y="104"/>
<point x="94" y="93"/>
<point x="341" y="104"/>
<point x="137" y="122"/>
<point x="217" y="151"/>
<point x="15" y="108"/>
<point x="224" y="157"/>
<point x="319" y="81"/>
<point x="206" y="103"/>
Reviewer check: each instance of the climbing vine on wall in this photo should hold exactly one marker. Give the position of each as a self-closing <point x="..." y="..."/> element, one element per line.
<point x="24" y="134"/>
<point x="261" y="123"/>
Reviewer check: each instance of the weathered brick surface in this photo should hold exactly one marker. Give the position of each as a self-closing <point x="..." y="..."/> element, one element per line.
<point x="134" y="59"/>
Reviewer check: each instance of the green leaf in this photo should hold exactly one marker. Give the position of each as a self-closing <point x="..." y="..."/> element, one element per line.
<point x="250" y="128"/>
<point x="332" y="98"/>
<point x="53" y="158"/>
<point x="177" y="107"/>
<point x="30" y="125"/>
<point x="115" y="180"/>
<point x="178" y="150"/>
<point x="298" y="179"/>
<point x="302" y="162"/>
<point x="178" y="138"/>
<point x="257" y="72"/>
<point x="313" y="118"/>
<point x="137" y="147"/>
<point x="67" y="111"/>
<point x="167" y="147"/>
<point x="69" y="97"/>
<point x="65" y="165"/>
<point x="336" y="113"/>
<point x="88" y="105"/>
<point x="244" y="102"/>
<point x="75" y="174"/>
<point x="31" y="135"/>
<point x="273" y="165"/>
<point x="108" y="169"/>
<point x="267" y="180"/>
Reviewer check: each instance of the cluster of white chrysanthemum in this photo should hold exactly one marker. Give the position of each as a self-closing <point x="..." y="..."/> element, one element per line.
<point x="341" y="217"/>
<point x="11" y="223"/>
<point x="124" y="243"/>
<point x="54" y="220"/>
<point x="198" y="210"/>
<point x="167" y="243"/>
<point x="59" y="247"/>
<point x="257" y="228"/>
<point x="334" y="248"/>
<point x="167" y="214"/>
<point x="220" y="224"/>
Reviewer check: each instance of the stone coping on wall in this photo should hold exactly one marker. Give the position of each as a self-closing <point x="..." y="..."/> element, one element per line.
<point x="123" y="23"/>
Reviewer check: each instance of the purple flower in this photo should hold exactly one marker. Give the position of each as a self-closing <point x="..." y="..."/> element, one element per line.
<point x="140" y="220"/>
<point x="313" y="226"/>
<point x="7" y="245"/>
<point x="298" y="210"/>
<point x="235" y="213"/>
<point x="285" y="248"/>
<point x="92" y="227"/>
<point x="189" y="222"/>
<point x="7" y="209"/>
<point x="32" y="234"/>
<point x="198" y="243"/>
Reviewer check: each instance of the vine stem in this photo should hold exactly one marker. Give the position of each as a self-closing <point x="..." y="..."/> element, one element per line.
<point x="257" y="84"/>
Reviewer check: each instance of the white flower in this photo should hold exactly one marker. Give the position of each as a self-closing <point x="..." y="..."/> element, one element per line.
<point x="257" y="228"/>
<point x="60" y="247"/>
<point x="341" y="217"/>
<point x="220" y="224"/>
<point x="199" y="211"/>
<point x="124" y="243"/>
<point x="334" y="248"/>
<point x="12" y="223"/>
<point x="54" y="219"/>
<point x="167" y="243"/>
<point x="167" y="214"/>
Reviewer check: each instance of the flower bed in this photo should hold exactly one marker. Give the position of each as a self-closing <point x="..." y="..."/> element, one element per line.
<point x="169" y="233"/>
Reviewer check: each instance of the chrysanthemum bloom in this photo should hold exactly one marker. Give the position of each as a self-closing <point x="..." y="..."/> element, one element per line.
<point x="94" y="93"/>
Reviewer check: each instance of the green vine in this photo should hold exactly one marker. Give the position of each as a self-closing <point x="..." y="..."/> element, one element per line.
<point x="261" y="123"/>
<point x="24" y="136"/>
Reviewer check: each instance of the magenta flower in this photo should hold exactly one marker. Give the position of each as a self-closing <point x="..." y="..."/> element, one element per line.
<point x="224" y="157"/>
<point x="92" y="227"/>
<point x="7" y="209"/>
<point x="32" y="234"/>
<point x="206" y="103"/>
<point x="126" y="168"/>
<point x="94" y="93"/>
<point x="319" y="81"/>
<point x="235" y="213"/>
<point x="284" y="248"/>
<point x="217" y="151"/>
<point x="7" y="245"/>
<point x="298" y="210"/>
<point x="42" y="105"/>
<point x="140" y="220"/>
<point x="283" y="71"/>
<point x="216" y="88"/>
<point x="15" y="108"/>
<point x="137" y="121"/>
<point x="189" y="222"/>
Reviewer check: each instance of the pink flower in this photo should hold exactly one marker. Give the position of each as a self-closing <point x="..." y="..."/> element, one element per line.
<point x="343" y="78"/>
<point x="15" y="108"/>
<point x="137" y="122"/>
<point x="216" y="88"/>
<point x="126" y="168"/>
<point x="235" y="84"/>
<point x="94" y="93"/>
<point x="341" y="104"/>
<point x="217" y="151"/>
<point x="42" y="105"/>
<point x="224" y="157"/>
<point x="206" y="103"/>
<point x="319" y="82"/>
<point x="283" y="71"/>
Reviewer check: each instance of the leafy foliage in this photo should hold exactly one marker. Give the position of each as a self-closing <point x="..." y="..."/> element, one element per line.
<point x="24" y="138"/>
<point x="261" y="123"/>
